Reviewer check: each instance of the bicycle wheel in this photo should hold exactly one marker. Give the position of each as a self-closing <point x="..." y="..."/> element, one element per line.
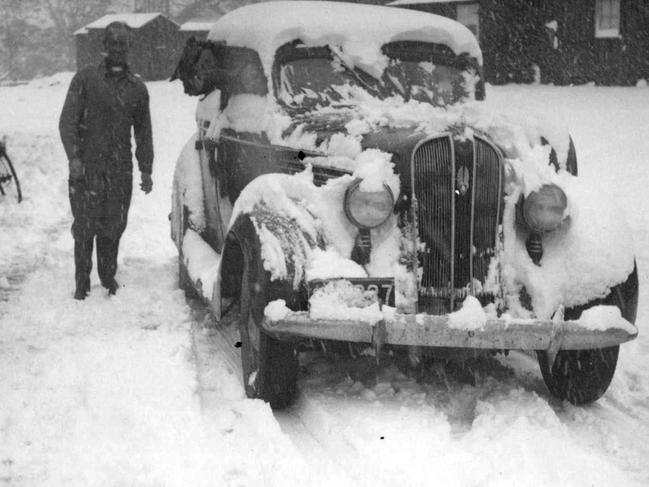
<point x="9" y="184"/>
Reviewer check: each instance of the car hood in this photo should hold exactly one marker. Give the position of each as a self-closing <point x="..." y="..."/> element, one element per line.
<point x="399" y="141"/>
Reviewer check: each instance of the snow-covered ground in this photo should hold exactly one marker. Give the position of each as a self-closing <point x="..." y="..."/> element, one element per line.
<point x="135" y="390"/>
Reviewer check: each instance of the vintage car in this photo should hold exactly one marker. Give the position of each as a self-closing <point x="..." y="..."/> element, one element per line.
<point x="346" y="183"/>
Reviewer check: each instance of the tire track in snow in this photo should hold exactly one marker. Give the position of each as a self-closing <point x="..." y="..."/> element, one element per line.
<point x="219" y="375"/>
<point x="396" y="432"/>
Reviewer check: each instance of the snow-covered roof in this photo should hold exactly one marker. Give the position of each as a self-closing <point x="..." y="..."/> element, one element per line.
<point x="415" y="2"/>
<point x="134" y="21"/>
<point x="198" y="25"/>
<point x="360" y="30"/>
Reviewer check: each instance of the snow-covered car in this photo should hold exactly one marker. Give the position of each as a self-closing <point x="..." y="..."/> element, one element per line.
<point x="346" y="182"/>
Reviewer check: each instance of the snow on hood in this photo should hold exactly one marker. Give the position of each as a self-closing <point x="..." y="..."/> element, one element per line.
<point x="518" y="134"/>
<point x="515" y="132"/>
<point x="359" y="30"/>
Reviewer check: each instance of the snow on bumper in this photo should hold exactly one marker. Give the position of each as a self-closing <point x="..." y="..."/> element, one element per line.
<point x="440" y="331"/>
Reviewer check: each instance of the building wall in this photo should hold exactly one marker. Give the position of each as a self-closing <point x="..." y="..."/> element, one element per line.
<point x="518" y="47"/>
<point x="582" y="57"/>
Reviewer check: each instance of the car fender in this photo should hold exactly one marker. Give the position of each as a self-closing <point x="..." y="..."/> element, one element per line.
<point x="285" y="245"/>
<point x="187" y="207"/>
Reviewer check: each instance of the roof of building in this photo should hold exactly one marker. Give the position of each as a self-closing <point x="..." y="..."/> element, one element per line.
<point x="133" y="20"/>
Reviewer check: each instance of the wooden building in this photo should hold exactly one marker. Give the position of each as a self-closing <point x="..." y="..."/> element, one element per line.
<point x="196" y="28"/>
<point x="155" y="43"/>
<point x="605" y="41"/>
<point x="197" y="18"/>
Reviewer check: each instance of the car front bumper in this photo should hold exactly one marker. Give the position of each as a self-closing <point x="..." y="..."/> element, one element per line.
<point x="437" y="331"/>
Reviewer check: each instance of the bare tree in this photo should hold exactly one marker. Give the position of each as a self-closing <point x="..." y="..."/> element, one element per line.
<point x="14" y="29"/>
<point x="69" y="15"/>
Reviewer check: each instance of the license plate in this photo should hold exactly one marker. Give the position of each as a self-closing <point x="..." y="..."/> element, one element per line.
<point x="382" y="286"/>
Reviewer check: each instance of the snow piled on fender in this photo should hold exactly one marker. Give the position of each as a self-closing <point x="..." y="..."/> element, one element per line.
<point x="188" y="187"/>
<point x="201" y="261"/>
<point x="590" y="253"/>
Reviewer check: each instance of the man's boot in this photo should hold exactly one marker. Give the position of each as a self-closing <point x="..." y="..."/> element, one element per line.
<point x="111" y="285"/>
<point x="82" y="289"/>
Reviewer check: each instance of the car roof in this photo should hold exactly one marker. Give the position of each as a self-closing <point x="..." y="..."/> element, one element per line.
<point x="359" y="29"/>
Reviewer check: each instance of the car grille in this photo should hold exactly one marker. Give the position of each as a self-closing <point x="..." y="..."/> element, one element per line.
<point x="458" y="201"/>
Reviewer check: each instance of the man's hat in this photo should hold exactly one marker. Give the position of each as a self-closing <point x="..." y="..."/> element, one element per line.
<point x="116" y="37"/>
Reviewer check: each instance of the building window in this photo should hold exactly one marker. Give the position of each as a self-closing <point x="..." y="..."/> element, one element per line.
<point x="607" y="18"/>
<point x="468" y="15"/>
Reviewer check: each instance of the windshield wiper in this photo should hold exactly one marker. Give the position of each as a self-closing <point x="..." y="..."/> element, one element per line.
<point x="356" y="72"/>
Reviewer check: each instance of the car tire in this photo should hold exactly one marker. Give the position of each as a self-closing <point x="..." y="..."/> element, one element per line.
<point x="583" y="376"/>
<point x="270" y="366"/>
<point x="579" y="376"/>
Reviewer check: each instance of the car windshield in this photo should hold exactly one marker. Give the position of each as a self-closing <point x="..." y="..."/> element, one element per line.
<point x="322" y="77"/>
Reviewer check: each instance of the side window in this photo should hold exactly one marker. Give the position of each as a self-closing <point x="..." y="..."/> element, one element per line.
<point x="607" y="18"/>
<point x="468" y="14"/>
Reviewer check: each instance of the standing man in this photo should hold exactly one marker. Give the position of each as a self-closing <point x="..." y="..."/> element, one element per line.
<point x="102" y="104"/>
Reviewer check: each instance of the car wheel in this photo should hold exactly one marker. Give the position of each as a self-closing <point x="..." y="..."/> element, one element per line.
<point x="583" y="376"/>
<point x="579" y="376"/>
<point x="270" y="366"/>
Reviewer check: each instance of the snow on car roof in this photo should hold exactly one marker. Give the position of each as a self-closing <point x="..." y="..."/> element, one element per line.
<point x="197" y="25"/>
<point x="360" y="30"/>
<point x="417" y="2"/>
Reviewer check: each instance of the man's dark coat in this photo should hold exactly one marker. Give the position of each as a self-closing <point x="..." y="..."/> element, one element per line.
<point x="95" y="126"/>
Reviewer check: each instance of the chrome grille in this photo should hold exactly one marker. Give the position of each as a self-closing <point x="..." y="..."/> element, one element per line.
<point x="457" y="194"/>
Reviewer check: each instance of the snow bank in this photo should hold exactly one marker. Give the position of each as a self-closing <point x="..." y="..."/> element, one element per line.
<point x="105" y="392"/>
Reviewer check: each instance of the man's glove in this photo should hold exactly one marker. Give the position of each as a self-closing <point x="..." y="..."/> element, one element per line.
<point x="76" y="169"/>
<point x="146" y="183"/>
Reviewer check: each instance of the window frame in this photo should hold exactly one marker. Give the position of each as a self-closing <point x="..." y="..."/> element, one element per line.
<point x="468" y="7"/>
<point x="612" y="17"/>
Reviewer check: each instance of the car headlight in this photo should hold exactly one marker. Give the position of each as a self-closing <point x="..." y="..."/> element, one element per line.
<point x="544" y="209"/>
<point x="368" y="209"/>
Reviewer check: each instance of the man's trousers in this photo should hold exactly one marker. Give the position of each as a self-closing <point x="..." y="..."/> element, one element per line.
<point x="100" y="204"/>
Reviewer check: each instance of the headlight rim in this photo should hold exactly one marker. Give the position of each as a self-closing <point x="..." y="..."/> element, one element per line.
<point x="529" y="199"/>
<point x="354" y="186"/>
